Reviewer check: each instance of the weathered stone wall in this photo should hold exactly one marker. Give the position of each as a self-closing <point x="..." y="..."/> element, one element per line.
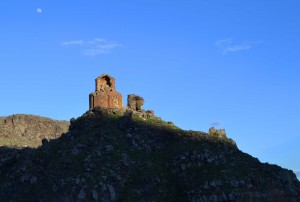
<point x="105" y="94"/>
<point x="135" y="102"/>
<point x="107" y="100"/>
<point x="105" y="83"/>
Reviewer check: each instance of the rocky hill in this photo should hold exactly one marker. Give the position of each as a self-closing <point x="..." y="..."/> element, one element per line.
<point x="125" y="155"/>
<point x="28" y="130"/>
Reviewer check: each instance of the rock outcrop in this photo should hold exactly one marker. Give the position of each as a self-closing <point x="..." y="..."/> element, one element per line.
<point x="28" y="130"/>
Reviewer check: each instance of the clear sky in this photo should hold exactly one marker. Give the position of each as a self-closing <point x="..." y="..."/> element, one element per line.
<point x="234" y="64"/>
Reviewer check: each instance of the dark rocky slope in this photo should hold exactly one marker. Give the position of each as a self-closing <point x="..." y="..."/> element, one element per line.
<point x="123" y="155"/>
<point x="28" y="130"/>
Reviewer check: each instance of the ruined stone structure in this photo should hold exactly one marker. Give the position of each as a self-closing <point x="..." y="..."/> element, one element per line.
<point x="219" y="132"/>
<point x="105" y="94"/>
<point x="135" y="102"/>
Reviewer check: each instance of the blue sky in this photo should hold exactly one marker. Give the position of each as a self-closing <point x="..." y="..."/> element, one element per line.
<point x="233" y="64"/>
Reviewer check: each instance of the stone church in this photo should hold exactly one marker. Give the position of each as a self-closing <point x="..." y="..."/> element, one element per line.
<point x="105" y="94"/>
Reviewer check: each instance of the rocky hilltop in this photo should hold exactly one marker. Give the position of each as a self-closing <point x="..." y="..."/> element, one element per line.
<point x="28" y="130"/>
<point x="116" y="153"/>
<point x="129" y="155"/>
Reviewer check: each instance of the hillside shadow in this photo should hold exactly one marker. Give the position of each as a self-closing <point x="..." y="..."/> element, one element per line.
<point x="128" y="150"/>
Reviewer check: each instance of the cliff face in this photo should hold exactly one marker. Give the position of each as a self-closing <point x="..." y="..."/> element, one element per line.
<point x="29" y="130"/>
<point x="124" y="155"/>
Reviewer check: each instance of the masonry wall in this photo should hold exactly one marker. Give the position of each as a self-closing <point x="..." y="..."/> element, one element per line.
<point x="105" y="94"/>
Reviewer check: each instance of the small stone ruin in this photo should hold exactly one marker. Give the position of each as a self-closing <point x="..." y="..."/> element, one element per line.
<point x="135" y="102"/>
<point x="218" y="132"/>
<point x="105" y="95"/>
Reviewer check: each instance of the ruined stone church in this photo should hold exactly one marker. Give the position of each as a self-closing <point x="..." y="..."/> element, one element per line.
<point x="105" y="94"/>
